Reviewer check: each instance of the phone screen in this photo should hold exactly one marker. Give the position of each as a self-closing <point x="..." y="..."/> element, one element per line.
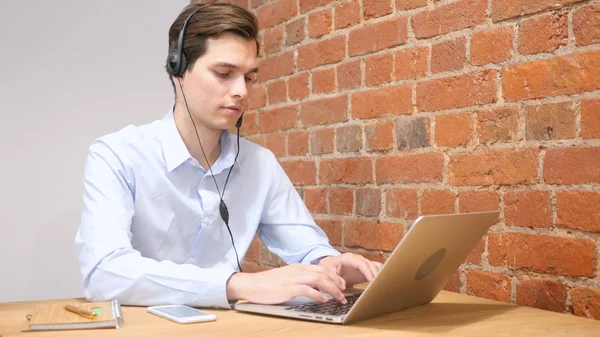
<point x="182" y="311"/>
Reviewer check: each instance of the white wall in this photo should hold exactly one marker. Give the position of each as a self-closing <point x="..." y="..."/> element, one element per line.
<point x="71" y="70"/>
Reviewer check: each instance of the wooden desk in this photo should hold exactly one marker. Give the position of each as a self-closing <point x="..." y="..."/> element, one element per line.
<point x="450" y="314"/>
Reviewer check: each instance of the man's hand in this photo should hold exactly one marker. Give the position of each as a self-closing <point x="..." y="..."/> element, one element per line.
<point x="353" y="268"/>
<point x="282" y="284"/>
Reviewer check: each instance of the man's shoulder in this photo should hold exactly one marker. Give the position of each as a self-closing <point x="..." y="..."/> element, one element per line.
<point x="129" y="137"/>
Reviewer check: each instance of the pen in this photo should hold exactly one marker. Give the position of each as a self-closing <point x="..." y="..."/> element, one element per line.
<point x="80" y="312"/>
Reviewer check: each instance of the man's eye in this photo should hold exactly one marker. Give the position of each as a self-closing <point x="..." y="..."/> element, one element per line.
<point x="249" y="79"/>
<point x="223" y="75"/>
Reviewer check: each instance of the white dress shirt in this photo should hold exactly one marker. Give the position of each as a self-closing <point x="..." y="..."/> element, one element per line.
<point x="150" y="229"/>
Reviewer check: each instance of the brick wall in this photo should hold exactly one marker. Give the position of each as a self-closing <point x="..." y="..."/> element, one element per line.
<point x="383" y="110"/>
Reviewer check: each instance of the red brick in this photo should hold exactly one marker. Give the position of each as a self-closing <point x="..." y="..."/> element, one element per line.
<point x="382" y="102"/>
<point x="323" y="81"/>
<point x="590" y="118"/>
<point x="531" y="208"/>
<point x="489" y="285"/>
<point x="543" y="254"/>
<point x="411" y="63"/>
<point x="320" y="23"/>
<point x="377" y="36"/>
<point x="322" y="52"/>
<point x="454" y="283"/>
<point x="543" y="33"/>
<point x="347" y="14"/>
<point x="494" y="167"/>
<point x="249" y="125"/>
<point x="405" y="5"/>
<point x="258" y="98"/>
<point x="368" y="202"/>
<point x="297" y="143"/>
<point x="563" y="75"/>
<point x="569" y="166"/>
<point x="449" y="55"/>
<point x="448" y="18"/>
<point x="543" y="294"/>
<point x="437" y="202"/>
<point x="578" y="210"/>
<point x="301" y="172"/>
<point x="333" y="229"/>
<point x="586" y="24"/>
<point x="277" y="91"/>
<point x="475" y="255"/>
<point x="276" y="143"/>
<point x="276" y="13"/>
<point x="498" y="125"/>
<point x="294" y="31"/>
<point x="401" y="203"/>
<point x="268" y="259"/>
<point x="550" y="121"/>
<point x="409" y="168"/>
<point x="507" y="9"/>
<point x="278" y="119"/>
<point x="412" y="132"/>
<point x="372" y="234"/>
<point x="378" y="69"/>
<point x="453" y="130"/>
<point x="256" y="3"/>
<point x="253" y="267"/>
<point x="298" y="86"/>
<point x="273" y="40"/>
<point x="355" y="170"/>
<point x="376" y="8"/>
<point x="276" y="66"/>
<point x="586" y="302"/>
<point x="241" y="3"/>
<point x="258" y="139"/>
<point x="253" y="252"/>
<point x="379" y="136"/>
<point x="348" y="138"/>
<point x="478" y="201"/>
<point x="341" y="201"/>
<point x="492" y="46"/>
<point x="349" y="75"/>
<point x="322" y="141"/>
<point x="316" y="200"/>
<point x="324" y="111"/>
<point x="308" y="5"/>
<point x="457" y="91"/>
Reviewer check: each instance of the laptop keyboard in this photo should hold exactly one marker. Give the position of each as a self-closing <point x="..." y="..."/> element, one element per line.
<point x="331" y="307"/>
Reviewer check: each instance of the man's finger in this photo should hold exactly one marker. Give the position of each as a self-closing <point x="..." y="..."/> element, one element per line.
<point x="333" y="276"/>
<point x="322" y="282"/>
<point x="306" y="291"/>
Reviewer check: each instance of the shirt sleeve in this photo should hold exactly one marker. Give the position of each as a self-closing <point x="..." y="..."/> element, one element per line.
<point x="287" y="228"/>
<point x="111" y="268"/>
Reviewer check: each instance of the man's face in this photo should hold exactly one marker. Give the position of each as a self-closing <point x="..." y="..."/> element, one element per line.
<point x="218" y="85"/>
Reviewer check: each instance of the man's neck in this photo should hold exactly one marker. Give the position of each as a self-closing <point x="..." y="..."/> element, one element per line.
<point x="208" y="137"/>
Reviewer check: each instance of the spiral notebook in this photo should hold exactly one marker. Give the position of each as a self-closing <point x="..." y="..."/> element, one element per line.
<point x="55" y="317"/>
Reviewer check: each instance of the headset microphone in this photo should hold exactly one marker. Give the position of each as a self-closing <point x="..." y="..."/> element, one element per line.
<point x="176" y="66"/>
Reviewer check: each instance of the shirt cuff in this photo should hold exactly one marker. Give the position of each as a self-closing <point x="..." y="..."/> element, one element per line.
<point x="315" y="256"/>
<point x="217" y="297"/>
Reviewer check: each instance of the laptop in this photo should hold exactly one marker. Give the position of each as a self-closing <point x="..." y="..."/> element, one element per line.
<point x="419" y="267"/>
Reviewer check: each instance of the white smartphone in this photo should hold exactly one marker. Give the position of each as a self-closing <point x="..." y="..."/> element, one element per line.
<point x="181" y="313"/>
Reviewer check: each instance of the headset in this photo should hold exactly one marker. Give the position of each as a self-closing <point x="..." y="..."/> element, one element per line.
<point x="176" y="66"/>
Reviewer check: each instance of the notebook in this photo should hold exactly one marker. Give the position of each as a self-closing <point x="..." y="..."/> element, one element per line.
<point x="56" y="317"/>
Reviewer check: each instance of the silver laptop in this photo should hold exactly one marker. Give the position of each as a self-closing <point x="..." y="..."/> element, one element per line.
<point x="416" y="271"/>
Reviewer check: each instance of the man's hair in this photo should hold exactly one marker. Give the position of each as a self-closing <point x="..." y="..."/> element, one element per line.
<point x="211" y="20"/>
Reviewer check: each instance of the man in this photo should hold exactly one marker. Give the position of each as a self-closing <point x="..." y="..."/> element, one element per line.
<point x="169" y="205"/>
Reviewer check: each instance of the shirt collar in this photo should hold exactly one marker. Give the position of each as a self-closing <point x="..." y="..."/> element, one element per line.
<point x="176" y="153"/>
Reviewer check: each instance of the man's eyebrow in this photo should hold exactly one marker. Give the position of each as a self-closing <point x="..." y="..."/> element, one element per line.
<point x="233" y="66"/>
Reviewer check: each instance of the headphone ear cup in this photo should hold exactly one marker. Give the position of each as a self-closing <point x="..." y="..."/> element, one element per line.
<point x="176" y="63"/>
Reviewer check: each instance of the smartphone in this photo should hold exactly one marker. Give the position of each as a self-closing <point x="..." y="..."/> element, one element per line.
<point x="181" y="313"/>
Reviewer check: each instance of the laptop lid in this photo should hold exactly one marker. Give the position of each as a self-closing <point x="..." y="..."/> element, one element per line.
<point x="421" y="264"/>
